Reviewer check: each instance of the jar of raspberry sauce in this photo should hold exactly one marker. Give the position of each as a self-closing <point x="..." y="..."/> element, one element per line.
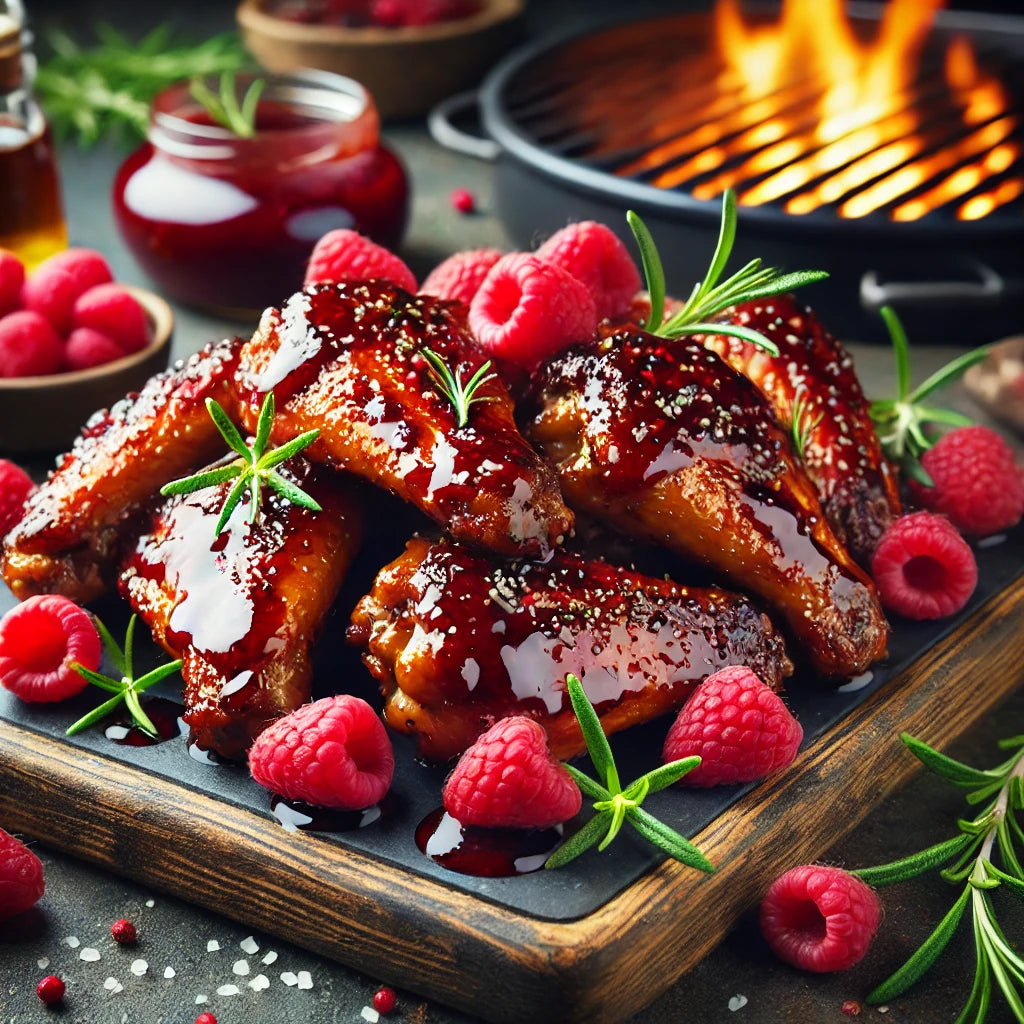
<point x="226" y="222"/>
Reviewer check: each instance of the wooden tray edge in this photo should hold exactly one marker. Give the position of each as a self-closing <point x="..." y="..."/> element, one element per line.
<point x="487" y="960"/>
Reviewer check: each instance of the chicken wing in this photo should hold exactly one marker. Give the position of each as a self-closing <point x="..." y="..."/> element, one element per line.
<point x="459" y="640"/>
<point x="663" y="440"/>
<point x="348" y="358"/>
<point x="242" y="610"/>
<point x="76" y="524"/>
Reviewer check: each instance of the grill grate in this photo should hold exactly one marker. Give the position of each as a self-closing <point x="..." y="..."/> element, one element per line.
<point x="651" y="102"/>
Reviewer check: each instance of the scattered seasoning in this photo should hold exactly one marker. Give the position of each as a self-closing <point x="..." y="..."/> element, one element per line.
<point x="139" y="968"/>
<point x="384" y="999"/>
<point x="89" y="955"/>
<point x="50" y="989"/>
<point x="169" y="972"/>
<point x="212" y="946"/>
<point x="270" y="958"/>
<point x="113" y="986"/>
<point x="150" y="903"/>
<point x="240" y="967"/>
<point x="305" y="980"/>
<point x="200" y="999"/>
<point x="370" y="1015"/>
<point x="72" y="941"/>
<point x="124" y="932"/>
<point x="851" y="1008"/>
<point x="228" y="990"/>
<point x="259" y="983"/>
<point x="249" y="945"/>
<point x="290" y="979"/>
<point x="737" y="1003"/>
<point x="463" y="200"/>
<point x="42" y="963"/>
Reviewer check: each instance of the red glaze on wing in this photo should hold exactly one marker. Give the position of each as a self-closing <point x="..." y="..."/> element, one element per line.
<point x="78" y="522"/>
<point x="346" y="358"/>
<point x="459" y="641"/>
<point x="243" y="609"/>
<point x="667" y="443"/>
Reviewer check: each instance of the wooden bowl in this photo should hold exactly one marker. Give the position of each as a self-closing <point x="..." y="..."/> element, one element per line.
<point x="45" y="414"/>
<point x="406" y="70"/>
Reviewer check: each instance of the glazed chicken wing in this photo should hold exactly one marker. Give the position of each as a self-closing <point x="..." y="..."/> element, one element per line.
<point x="838" y="447"/>
<point x="76" y="524"/>
<point x="459" y="641"/>
<point x="347" y="358"/>
<point x="664" y="441"/>
<point x="242" y="609"/>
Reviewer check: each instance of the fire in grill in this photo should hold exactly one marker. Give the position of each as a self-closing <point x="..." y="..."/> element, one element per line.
<point x="807" y="112"/>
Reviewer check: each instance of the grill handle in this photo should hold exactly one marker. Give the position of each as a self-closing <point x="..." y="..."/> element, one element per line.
<point x="444" y="132"/>
<point x="989" y="289"/>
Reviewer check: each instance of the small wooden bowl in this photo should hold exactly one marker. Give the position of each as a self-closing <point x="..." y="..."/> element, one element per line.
<point x="45" y="414"/>
<point x="406" y="70"/>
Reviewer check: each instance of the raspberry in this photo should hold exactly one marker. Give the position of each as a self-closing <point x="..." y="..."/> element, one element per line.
<point x="737" y="725"/>
<point x="819" y="918"/>
<point x="384" y="999"/>
<point x="593" y="254"/>
<point x="87" y="347"/>
<point x="28" y="345"/>
<point x="206" y="1018"/>
<point x="21" y="876"/>
<point x="15" y="487"/>
<point x="462" y="200"/>
<point x="51" y="292"/>
<point x="12" y="277"/>
<point x="979" y="485"/>
<point x="334" y="752"/>
<point x="50" y="990"/>
<point x="403" y="13"/>
<point x="460" y="276"/>
<point x="527" y="310"/>
<point x="123" y="932"/>
<point x="40" y="640"/>
<point x="923" y="568"/>
<point x="86" y="267"/>
<point x="345" y="255"/>
<point x="509" y="779"/>
<point x="112" y="310"/>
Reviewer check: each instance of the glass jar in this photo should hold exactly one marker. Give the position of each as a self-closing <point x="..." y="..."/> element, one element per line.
<point x="227" y="223"/>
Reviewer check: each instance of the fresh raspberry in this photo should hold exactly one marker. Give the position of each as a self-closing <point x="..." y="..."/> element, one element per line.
<point x="40" y="639"/>
<point x="406" y="13"/>
<point x="86" y="267"/>
<point x="124" y="933"/>
<point x="528" y="309"/>
<point x="509" y="779"/>
<point x="334" y="752"/>
<point x="51" y="292"/>
<point x="87" y="348"/>
<point x="384" y="999"/>
<point x="462" y="200"/>
<point x="15" y="487"/>
<point x="21" y="876"/>
<point x="112" y="310"/>
<point x="819" y="918"/>
<point x="50" y="990"/>
<point x="979" y="486"/>
<point x="29" y="345"/>
<point x="737" y="725"/>
<point x="12" y="277"/>
<point x="923" y="568"/>
<point x="460" y="276"/>
<point x="345" y="255"/>
<point x="593" y="254"/>
<point x="206" y="1018"/>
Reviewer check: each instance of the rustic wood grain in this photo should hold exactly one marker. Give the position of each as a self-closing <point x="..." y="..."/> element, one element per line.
<point x="447" y="945"/>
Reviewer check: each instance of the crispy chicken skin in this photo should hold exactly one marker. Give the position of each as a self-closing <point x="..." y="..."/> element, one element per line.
<point x="459" y="640"/>
<point x="346" y="358"/>
<point x="76" y="524"/>
<point x="242" y="610"/>
<point x="856" y="484"/>
<point x="664" y="441"/>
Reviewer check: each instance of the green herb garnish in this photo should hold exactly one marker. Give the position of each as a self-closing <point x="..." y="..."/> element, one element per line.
<point x="802" y="425"/>
<point x="254" y="467"/>
<point x="995" y="831"/>
<point x="223" y="106"/>
<point x="125" y="689"/>
<point x="900" y="422"/>
<point x="449" y="383"/>
<point x="615" y="805"/>
<point x="108" y="89"/>
<point x="708" y="297"/>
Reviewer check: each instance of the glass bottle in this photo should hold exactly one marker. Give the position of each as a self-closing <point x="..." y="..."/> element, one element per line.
<point x="31" y="216"/>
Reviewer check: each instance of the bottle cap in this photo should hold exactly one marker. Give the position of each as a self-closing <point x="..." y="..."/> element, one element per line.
<point x="10" y="53"/>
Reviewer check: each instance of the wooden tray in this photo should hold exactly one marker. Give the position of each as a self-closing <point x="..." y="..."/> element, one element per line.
<point x="470" y="949"/>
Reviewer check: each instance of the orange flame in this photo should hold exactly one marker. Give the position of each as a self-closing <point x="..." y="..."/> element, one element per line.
<point x="865" y="135"/>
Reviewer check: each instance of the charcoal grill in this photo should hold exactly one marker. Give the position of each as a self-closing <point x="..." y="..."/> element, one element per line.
<point x="644" y="116"/>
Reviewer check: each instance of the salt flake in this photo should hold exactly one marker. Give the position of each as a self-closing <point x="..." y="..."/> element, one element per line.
<point x="72" y="941"/>
<point x="737" y="1003"/>
<point x="305" y="979"/>
<point x="370" y="1015"/>
<point x="113" y="986"/>
<point x="139" y="968"/>
<point x="270" y="957"/>
<point x="259" y="983"/>
<point x="150" y="903"/>
<point x="89" y="955"/>
<point x="42" y="963"/>
<point x="290" y="979"/>
<point x="249" y="945"/>
<point x="212" y="946"/>
<point x="200" y="999"/>
<point x="228" y="990"/>
<point x="169" y="972"/>
<point x="241" y="968"/>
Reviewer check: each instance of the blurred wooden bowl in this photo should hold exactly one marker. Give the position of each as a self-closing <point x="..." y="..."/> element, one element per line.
<point x="406" y="70"/>
<point x="45" y="414"/>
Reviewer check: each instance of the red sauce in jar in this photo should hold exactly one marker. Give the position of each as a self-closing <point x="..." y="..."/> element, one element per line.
<point x="227" y="223"/>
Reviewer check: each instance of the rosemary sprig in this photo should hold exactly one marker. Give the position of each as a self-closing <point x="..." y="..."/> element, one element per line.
<point x="107" y="89"/>
<point x="254" y="467"/>
<point x="802" y="426"/>
<point x="125" y="689"/>
<point x="223" y="106"/>
<point x="994" y="832"/>
<point x="615" y="805"/>
<point x="709" y="297"/>
<point x="449" y="383"/>
<point x="900" y="422"/>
